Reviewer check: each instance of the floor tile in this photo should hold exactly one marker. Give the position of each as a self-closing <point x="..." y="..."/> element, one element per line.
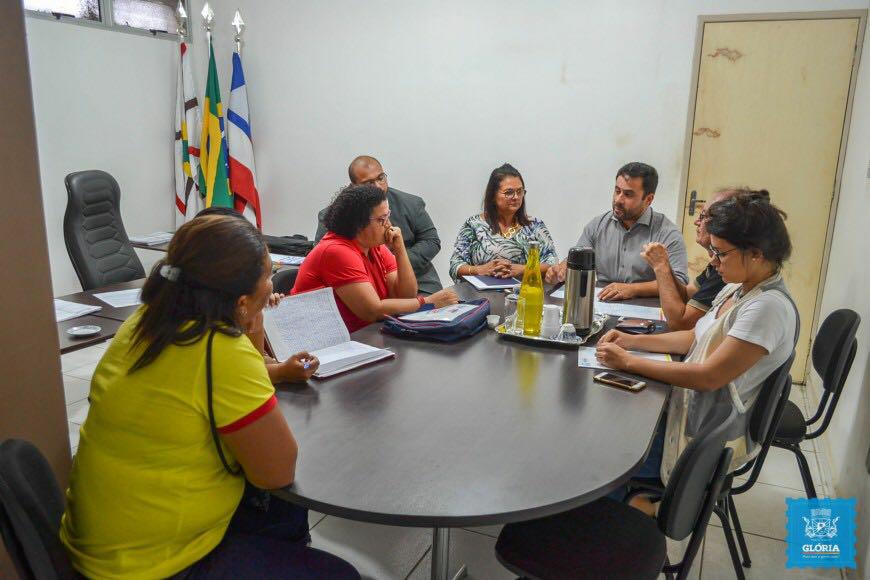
<point x="75" y="389"/>
<point x="676" y="550"/>
<point x="781" y="468"/>
<point x="476" y="551"/>
<point x="378" y="552"/>
<point x="314" y="518"/>
<point x="762" y="510"/>
<point x="491" y="531"/>
<point x="80" y="358"/>
<point x="85" y="372"/>
<point x="768" y="560"/>
<point x="76" y="413"/>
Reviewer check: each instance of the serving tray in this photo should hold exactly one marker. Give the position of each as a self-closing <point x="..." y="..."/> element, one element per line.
<point x="597" y="325"/>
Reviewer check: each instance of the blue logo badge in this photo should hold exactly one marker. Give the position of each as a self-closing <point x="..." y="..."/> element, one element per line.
<point x="820" y="533"/>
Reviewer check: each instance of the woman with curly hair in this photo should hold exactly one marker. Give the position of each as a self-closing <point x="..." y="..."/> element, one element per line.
<point x="364" y="260"/>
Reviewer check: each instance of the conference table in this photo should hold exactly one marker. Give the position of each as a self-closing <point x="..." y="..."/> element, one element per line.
<point x="108" y="318"/>
<point x="479" y="432"/>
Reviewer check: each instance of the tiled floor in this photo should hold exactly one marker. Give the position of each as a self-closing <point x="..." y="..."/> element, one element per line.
<point x="385" y="552"/>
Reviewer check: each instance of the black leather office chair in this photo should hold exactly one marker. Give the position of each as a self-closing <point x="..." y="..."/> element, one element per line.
<point x="283" y="280"/>
<point x="31" y="505"/>
<point x="95" y="238"/>
<point x="609" y="539"/>
<point x="833" y="352"/>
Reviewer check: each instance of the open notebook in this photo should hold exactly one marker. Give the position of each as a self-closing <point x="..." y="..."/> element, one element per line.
<point x="311" y="322"/>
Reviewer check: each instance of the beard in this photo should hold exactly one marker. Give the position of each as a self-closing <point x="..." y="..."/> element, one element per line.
<point x="622" y="214"/>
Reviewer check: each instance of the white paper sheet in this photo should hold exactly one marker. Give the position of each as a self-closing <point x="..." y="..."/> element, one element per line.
<point x="618" y="308"/>
<point x="444" y="314"/>
<point x="64" y="310"/>
<point x="121" y="298"/>
<point x="287" y="260"/>
<point x="586" y="357"/>
<point x="304" y="322"/>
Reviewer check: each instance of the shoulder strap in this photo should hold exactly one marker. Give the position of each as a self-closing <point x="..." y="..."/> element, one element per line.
<point x="212" y="424"/>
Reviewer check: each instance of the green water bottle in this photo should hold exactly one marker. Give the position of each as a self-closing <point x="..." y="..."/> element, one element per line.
<point x="532" y="292"/>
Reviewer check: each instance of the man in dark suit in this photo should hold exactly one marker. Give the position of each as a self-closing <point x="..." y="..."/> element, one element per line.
<point x="408" y="213"/>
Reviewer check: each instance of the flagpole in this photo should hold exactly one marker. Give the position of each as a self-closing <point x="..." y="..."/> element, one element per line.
<point x="182" y="22"/>
<point x="207" y="19"/>
<point x="239" y="25"/>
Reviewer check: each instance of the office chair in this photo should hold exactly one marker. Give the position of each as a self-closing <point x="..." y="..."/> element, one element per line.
<point x="609" y="539"/>
<point x="95" y="237"/>
<point x="31" y="505"/>
<point x="833" y="352"/>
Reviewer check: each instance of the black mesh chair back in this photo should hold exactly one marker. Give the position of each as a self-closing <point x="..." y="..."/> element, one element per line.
<point x="697" y="477"/>
<point x="283" y="280"/>
<point x="31" y="505"/>
<point x="95" y="237"/>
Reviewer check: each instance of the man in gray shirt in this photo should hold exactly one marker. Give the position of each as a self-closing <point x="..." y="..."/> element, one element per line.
<point x="408" y="213"/>
<point x="618" y="237"/>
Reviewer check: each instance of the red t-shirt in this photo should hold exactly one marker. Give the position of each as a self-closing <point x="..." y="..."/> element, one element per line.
<point x="337" y="261"/>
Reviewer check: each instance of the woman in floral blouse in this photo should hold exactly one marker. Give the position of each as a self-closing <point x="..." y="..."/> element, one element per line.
<point x="496" y="242"/>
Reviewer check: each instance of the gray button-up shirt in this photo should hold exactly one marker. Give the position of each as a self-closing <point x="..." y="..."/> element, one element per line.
<point x="617" y="250"/>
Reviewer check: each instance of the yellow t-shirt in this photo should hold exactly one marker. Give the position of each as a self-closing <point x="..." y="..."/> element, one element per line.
<point x="148" y="494"/>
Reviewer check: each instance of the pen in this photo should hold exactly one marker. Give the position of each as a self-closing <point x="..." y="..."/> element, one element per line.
<point x="306" y="362"/>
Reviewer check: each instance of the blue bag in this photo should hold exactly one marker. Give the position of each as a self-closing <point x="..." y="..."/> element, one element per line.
<point x="467" y="324"/>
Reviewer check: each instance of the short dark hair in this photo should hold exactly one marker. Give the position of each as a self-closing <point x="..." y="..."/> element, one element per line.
<point x="748" y="220"/>
<point x="490" y="210"/>
<point x="349" y="212"/>
<point x="361" y="160"/>
<point x="207" y="287"/>
<point x="647" y="172"/>
<point x="220" y="210"/>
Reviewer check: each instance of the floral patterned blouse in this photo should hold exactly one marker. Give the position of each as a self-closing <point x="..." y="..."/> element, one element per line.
<point x="476" y="244"/>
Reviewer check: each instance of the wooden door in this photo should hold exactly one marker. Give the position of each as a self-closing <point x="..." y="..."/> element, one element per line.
<point x="769" y="113"/>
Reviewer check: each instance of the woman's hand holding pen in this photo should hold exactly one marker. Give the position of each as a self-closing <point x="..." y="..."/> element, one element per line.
<point x="299" y="367"/>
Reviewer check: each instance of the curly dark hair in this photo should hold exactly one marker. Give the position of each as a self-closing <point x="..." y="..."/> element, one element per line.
<point x="349" y="212"/>
<point x="748" y="220"/>
<point x="490" y="210"/>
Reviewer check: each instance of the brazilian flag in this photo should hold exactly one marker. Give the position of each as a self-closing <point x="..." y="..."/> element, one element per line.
<point x="213" y="178"/>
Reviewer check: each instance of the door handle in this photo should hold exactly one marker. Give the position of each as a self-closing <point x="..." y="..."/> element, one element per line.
<point x="693" y="199"/>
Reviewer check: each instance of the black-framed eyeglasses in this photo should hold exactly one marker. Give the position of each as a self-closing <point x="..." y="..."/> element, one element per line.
<point x="513" y="193"/>
<point x="703" y="215"/>
<point x="717" y="255"/>
<point x="382" y="178"/>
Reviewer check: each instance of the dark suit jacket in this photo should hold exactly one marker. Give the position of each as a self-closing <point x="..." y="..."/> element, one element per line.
<point x="408" y="213"/>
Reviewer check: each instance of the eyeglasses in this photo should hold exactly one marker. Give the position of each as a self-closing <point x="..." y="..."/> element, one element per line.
<point x="382" y="178"/>
<point x="513" y="193"/>
<point x="703" y="215"/>
<point x="717" y="255"/>
<point x="381" y="220"/>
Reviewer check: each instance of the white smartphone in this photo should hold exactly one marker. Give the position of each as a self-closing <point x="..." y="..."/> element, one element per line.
<point x="626" y="383"/>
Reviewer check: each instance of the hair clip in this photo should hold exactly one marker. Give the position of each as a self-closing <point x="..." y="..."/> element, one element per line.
<point x="171" y="273"/>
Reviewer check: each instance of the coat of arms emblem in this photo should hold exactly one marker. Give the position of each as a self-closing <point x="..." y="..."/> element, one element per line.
<point x="820" y="524"/>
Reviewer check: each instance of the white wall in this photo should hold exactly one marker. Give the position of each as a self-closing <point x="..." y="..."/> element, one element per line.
<point x="103" y="100"/>
<point x="442" y="92"/>
<point x="848" y="281"/>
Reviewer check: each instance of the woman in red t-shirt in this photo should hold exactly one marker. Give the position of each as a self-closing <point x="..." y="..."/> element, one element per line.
<point x="363" y="258"/>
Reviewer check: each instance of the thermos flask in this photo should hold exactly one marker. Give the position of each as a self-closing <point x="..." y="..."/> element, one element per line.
<point x="580" y="290"/>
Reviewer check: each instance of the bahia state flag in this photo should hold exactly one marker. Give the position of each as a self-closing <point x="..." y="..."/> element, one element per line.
<point x="188" y="199"/>
<point x="214" y="182"/>
<point x="243" y="177"/>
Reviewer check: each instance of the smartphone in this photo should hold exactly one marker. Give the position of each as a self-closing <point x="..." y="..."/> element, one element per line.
<point x="626" y="383"/>
<point x="636" y="325"/>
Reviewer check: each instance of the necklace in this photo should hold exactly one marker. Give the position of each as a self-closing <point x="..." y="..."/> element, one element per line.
<point x="511" y="231"/>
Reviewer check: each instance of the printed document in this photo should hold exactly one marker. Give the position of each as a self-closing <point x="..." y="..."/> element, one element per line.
<point x="618" y="308"/>
<point x="64" y="310"/>
<point x="444" y="314"/>
<point x="492" y="283"/>
<point x="121" y="298"/>
<point x="311" y="322"/>
<point x="586" y="357"/>
<point x="154" y="239"/>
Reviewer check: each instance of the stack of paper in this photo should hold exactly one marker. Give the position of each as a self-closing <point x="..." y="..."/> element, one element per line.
<point x="492" y="283"/>
<point x="121" y="298"/>
<point x="64" y="310"/>
<point x="444" y="314"/>
<point x="286" y="260"/>
<point x="618" y="308"/>
<point x="311" y="322"/>
<point x="586" y="357"/>
<point x="154" y="239"/>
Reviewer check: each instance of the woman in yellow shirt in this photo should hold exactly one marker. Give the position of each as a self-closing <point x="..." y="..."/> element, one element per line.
<point x="182" y="415"/>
